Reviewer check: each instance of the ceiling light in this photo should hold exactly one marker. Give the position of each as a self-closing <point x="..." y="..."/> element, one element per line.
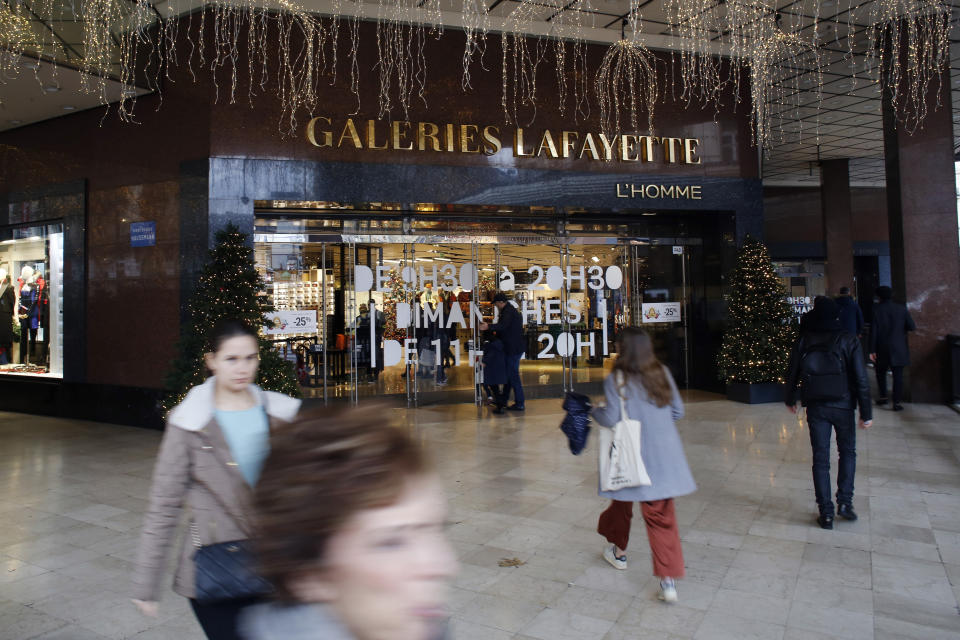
<point x="29" y="64"/>
<point x="595" y="258"/>
<point x="68" y="107"/>
<point x="51" y="88"/>
<point x="15" y="121"/>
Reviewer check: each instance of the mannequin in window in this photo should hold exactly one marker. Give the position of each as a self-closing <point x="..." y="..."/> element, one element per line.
<point x="29" y="313"/>
<point x="8" y="304"/>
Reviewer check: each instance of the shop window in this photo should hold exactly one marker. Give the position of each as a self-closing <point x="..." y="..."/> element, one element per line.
<point x="31" y="301"/>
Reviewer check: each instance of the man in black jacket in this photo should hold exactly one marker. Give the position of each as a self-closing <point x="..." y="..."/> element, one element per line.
<point x="851" y="316"/>
<point x="510" y="331"/>
<point x="888" y="344"/>
<point x="827" y="372"/>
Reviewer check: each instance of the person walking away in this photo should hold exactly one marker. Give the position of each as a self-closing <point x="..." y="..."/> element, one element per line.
<point x="210" y="458"/>
<point x="827" y="372"/>
<point x="851" y="315"/>
<point x="651" y="397"/>
<point x="494" y="370"/>
<point x="889" y="349"/>
<point x="351" y="522"/>
<point x="510" y="330"/>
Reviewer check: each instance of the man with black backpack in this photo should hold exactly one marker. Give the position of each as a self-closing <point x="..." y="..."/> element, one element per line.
<point x="828" y="373"/>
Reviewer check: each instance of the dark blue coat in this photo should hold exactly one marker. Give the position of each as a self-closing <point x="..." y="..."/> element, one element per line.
<point x="510" y="330"/>
<point x="494" y="363"/>
<point x="851" y="317"/>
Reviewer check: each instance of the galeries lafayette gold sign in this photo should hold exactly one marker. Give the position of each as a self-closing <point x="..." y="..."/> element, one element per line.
<point x="427" y="137"/>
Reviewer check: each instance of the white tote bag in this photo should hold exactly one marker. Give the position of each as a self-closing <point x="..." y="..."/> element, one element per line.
<point x="621" y="464"/>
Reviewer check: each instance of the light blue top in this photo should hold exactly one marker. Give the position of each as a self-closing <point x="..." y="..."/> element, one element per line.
<point x="248" y="436"/>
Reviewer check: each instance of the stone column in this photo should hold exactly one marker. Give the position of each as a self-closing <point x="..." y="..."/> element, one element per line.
<point x="837" y="223"/>
<point x="922" y="211"/>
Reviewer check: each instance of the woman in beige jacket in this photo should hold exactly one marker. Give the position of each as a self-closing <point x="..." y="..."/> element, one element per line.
<point x="215" y="443"/>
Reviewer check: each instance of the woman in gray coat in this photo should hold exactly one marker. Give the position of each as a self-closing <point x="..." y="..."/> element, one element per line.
<point x="651" y="397"/>
<point x="210" y="459"/>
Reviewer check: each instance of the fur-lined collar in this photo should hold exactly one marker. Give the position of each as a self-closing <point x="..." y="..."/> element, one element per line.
<point x="197" y="409"/>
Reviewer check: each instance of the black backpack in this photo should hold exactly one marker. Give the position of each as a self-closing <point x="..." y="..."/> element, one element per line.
<point x="823" y="375"/>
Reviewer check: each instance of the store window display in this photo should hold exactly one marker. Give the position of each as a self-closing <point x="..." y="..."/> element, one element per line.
<point x="31" y="333"/>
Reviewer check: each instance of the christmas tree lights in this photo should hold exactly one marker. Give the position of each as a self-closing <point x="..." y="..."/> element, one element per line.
<point x="229" y="288"/>
<point x="756" y="345"/>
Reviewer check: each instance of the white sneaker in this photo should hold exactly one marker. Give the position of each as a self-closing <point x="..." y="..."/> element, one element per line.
<point x="668" y="590"/>
<point x="610" y="556"/>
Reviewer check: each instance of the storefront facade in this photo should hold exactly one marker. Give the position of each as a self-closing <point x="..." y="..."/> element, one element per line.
<point x="587" y="233"/>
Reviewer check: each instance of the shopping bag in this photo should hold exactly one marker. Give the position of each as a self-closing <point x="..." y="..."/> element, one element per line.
<point x="621" y="462"/>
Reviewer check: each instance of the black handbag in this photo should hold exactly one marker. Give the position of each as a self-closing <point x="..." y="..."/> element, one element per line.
<point x="226" y="571"/>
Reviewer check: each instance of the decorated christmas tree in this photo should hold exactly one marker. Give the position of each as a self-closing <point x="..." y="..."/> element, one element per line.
<point x="229" y="287"/>
<point x="756" y="345"/>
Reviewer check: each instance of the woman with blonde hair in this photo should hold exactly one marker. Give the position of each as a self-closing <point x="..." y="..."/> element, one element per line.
<point x="650" y="396"/>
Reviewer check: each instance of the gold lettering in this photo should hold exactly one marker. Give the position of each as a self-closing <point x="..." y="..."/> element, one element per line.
<point x="491" y="140"/>
<point x="350" y="129"/>
<point x="568" y="144"/>
<point x="666" y="192"/>
<point x="625" y="145"/>
<point x="312" y="133"/>
<point x="695" y="192"/>
<point x="518" y="150"/>
<point x="634" y="191"/>
<point x="647" y="149"/>
<point x="450" y="138"/>
<point x="652" y="194"/>
<point x="620" y="194"/>
<point x="683" y="192"/>
<point x="607" y="147"/>
<point x="467" y="134"/>
<point x="589" y="144"/>
<point x="670" y="150"/>
<point x="690" y="150"/>
<point x="546" y="143"/>
<point x="428" y="131"/>
<point x="399" y="136"/>
<point x="372" y="136"/>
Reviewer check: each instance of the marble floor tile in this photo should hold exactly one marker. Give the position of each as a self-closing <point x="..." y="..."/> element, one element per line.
<point x="757" y="566"/>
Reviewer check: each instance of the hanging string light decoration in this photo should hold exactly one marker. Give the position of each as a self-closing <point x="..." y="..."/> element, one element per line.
<point x="476" y="25"/>
<point x="568" y="25"/>
<point x="627" y="78"/>
<point x="15" y="34"/>
<point x="260" y="46"/>
<point x="778" y="64"/>
<point x="910" y="45"/>
<point x="521" y="58"/>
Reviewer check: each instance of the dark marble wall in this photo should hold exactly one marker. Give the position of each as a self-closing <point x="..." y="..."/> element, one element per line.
<point x="793" y="215"/>
<point x="133" y="292"/>
<point x="241" y="132"/>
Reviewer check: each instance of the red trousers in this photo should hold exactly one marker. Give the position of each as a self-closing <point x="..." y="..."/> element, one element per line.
<point x="662" y="532"/>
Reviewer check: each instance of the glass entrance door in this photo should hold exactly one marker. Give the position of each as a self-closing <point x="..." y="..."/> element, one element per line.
<point x="658" y="301"/>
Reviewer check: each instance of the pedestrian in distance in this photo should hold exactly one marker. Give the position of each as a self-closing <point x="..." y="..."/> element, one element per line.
<point x="888" y="344"/>
<point x="350" y="529"/>
<point x="851" y="315"/>
<point x="510" y="330"/>
<point x="210" y="459"/>
<point x="651" y="397"/>
<point x="494" y="370"/>
<point x="828" y="374"/>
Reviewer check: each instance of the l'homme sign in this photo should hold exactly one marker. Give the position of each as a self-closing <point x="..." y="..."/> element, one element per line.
<point x="401" y="135"/>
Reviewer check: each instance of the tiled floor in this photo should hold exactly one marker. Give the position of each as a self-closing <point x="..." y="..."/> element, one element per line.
<point x="72" y="496"/>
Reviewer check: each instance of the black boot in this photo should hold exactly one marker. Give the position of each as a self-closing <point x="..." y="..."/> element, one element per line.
<point x="825" y="520"/>
<point x="845" y="511"/>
